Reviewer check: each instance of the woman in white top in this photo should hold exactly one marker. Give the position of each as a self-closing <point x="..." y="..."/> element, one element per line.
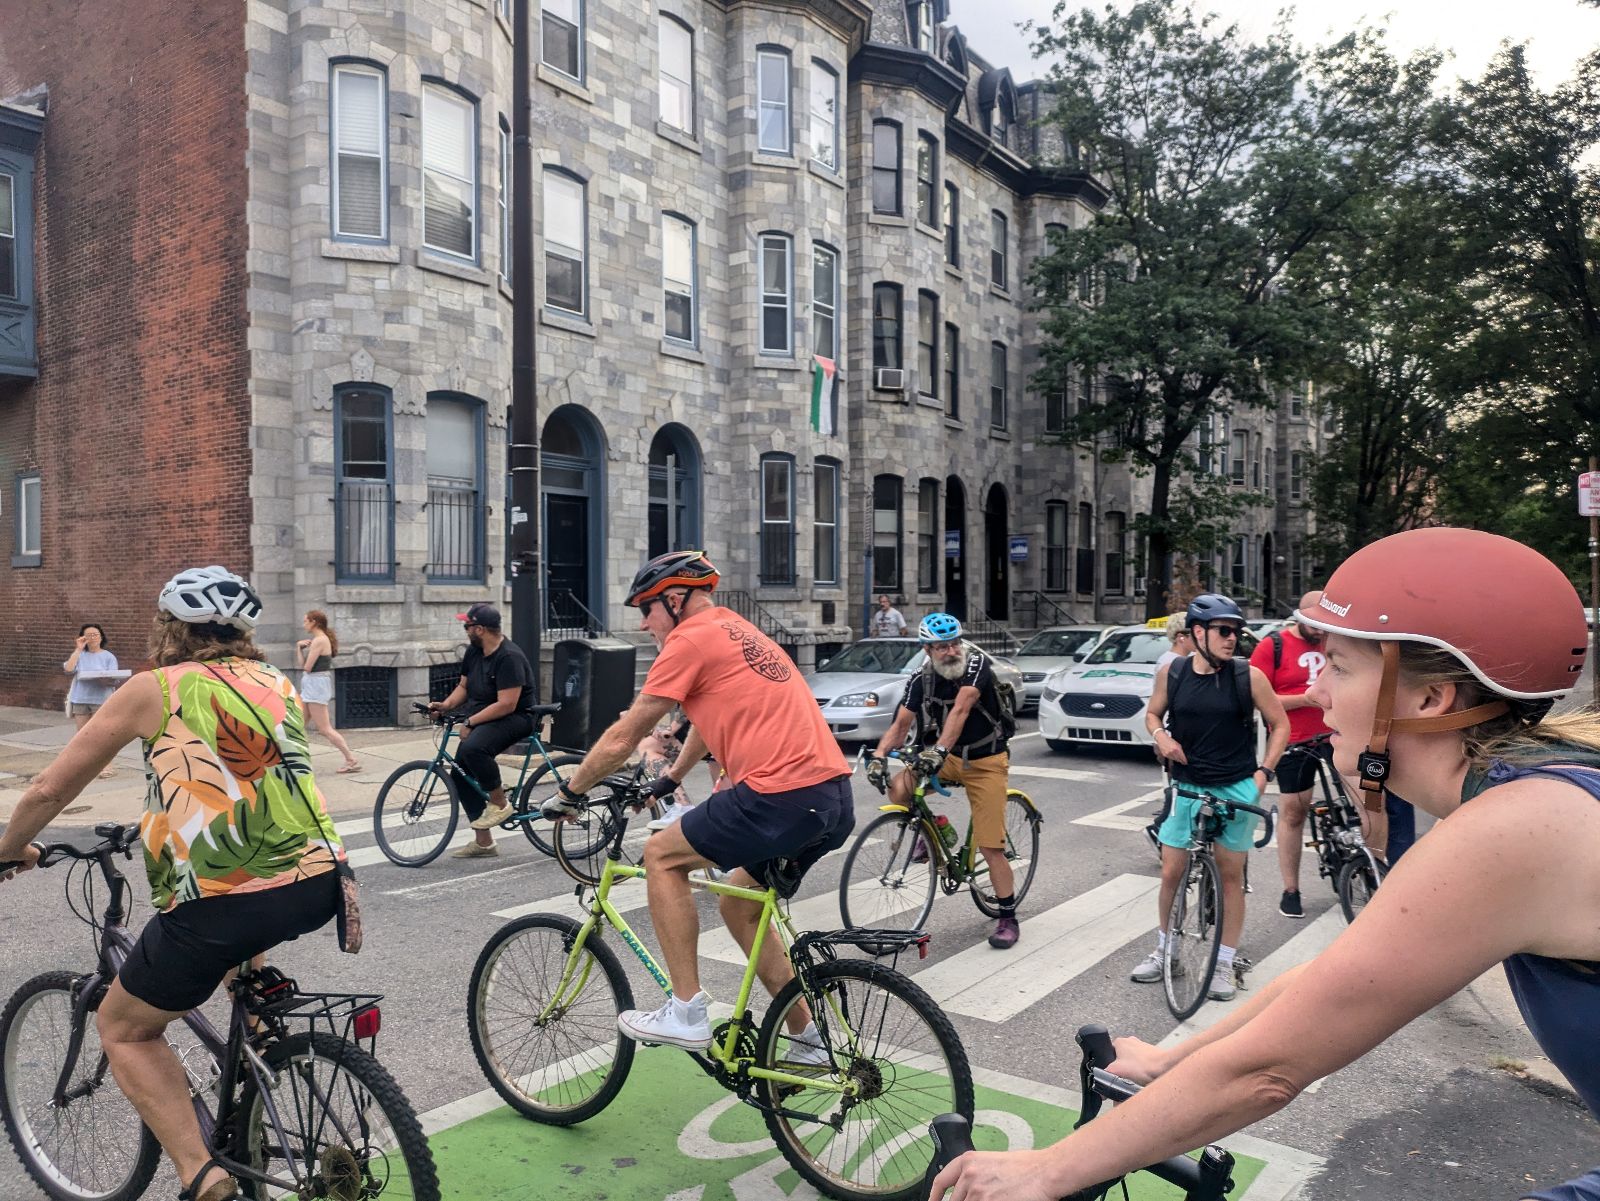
<point x="89" y="658"/>
<point x="316" y="682"/>
<point x="1182" y="644"/>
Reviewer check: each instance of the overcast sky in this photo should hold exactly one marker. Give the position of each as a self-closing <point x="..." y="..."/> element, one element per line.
<point x="1558" y="32"/>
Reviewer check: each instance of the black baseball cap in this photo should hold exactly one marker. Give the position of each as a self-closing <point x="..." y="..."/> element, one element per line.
<point x="481" y="614"/>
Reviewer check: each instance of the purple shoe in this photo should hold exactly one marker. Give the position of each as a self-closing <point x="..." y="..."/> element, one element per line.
<point x="919" y="850"/>
<point x="1006" y="933"/>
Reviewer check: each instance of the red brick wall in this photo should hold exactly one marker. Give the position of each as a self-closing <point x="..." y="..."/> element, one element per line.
<point x="139" y="420"/>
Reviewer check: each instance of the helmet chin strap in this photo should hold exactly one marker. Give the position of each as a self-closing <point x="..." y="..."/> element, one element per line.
<point x="1373" y="763"/>
<point x="1204" y="649"/>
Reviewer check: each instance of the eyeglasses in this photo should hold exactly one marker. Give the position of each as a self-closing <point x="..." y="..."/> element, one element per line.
<point x="1225" y="631"/>
<point x="646" y="605"/>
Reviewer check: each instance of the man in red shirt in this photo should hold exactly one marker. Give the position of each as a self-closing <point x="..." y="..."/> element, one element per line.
<point x="1292" y="659"/>
<point x="788" y="805"/>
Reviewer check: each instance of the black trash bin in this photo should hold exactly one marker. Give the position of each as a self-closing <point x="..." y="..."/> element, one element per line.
<point x="593" y="680"/>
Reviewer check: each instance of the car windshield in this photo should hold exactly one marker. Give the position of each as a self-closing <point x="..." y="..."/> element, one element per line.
<point x="1057" y="642"/>
<point x="885" y="657"/>
<point x="1133" y="646"/>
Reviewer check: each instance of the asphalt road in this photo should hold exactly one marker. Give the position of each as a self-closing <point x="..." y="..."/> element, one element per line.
<point x="1429" y="1115"/>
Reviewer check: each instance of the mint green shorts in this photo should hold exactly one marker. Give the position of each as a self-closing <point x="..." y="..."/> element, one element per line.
<point x="1238" y="834"/>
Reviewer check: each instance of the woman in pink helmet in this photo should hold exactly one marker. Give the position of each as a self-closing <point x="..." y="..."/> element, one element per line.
<point x="1446" y="650"/>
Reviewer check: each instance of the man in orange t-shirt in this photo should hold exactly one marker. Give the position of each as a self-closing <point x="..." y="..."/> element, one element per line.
<point x="789" y="803"/>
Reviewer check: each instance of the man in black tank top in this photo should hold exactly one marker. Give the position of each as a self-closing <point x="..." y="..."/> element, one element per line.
<point x="1202" y="716"/>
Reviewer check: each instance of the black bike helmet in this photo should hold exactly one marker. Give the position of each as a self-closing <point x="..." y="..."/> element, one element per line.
<point x="675" y="569"/>
<point x="1211" y="606"/>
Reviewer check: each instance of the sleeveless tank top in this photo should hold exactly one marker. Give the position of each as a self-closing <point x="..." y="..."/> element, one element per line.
<point x="1203" y="714"/>
<point x="230" y="802"/>
<point x="323" y="663"/>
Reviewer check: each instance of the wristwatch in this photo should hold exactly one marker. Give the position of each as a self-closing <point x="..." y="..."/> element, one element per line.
<point x="943" y="750"/>
<point x="1269" y="773"/>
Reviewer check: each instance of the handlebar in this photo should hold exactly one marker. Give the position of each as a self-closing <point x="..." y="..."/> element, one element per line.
<point x="441" y="718"/>
<point x="909" y="758"/>
<point x="1270" y="817"/>
<point x="117" y="839"/>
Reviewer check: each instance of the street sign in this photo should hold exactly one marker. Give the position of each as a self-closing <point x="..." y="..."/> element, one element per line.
<point x="1019" y="548"/>
<point x="952" y="544"/>
<point x="1589" y="494"/>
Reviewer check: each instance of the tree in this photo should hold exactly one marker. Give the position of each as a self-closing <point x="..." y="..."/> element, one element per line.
<point x="1225" y="160"/>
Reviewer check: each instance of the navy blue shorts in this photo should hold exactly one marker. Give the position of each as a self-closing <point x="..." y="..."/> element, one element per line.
<point x="740" y="827"/>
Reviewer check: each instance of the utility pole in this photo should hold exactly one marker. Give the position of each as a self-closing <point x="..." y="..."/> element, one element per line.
<point x="522" y="448"/>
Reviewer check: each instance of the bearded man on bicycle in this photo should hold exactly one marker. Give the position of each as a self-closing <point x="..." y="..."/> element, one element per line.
<point x="789" y="803"/>
<point x="955" y="703"/>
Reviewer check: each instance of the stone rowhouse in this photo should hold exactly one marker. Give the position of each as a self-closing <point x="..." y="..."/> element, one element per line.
<point x="262" y="276"/>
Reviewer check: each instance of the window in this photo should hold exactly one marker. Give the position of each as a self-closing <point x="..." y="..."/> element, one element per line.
<point x="772" y="88"/>
<point x="1296" y="463"/>
<point x="563" y="36"/>
<point x="777" y="519"/>
<point x="1086" y="286"/>
<point x="886" y="167"/>
<point x="1057" y="407"/>
<point x="364" y="486"/>
<point x="455" y="488"/>
<point x="1238" y="572"/>
<point x="928" y="536"/>
<point x="1238" y="455"/>
<point x="952" y="224"/>
<point x="1301" y="400"/>
<point x="997" y="250"/>
<point x="1255" y="463"/>
<point x="824" y="115"/>
<point x="825" y="527"/>
<point x="360" y="147"/>
<point x="886" y="533"/>
<point x="885" y="325"/>
<point x="921" y="23"/>
<point x="825" y="302"/>
<point x="505" y="200"/>
<point x="565" y="226"/>
<point x="1116" y="553"/>
<point x="952" y="371"/>
<point x="1084" y="567"/>
<point x="675" y="44"/>
<point x="674" y="486"/>
<point x="927" y="180"/>
<point x="1055" y="546"/>
<point x="997" y="385"/>
<point x="928" y="344"/>
<point x="1297" y="571"/>
<point x="449" y="171"/>
<point x="29" y="550"/>
<point x="678" y="246"/>
<point x="776" y="289"/>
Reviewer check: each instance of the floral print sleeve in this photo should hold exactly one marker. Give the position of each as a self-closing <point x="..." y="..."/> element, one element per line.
<point x="231" y="804"/>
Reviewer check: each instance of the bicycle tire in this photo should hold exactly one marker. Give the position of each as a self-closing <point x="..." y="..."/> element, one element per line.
<point x="1022" y="844"/>
<point x="903" y="1039"/>
<point x="309" y="1066"/>
<point x="414" y="837"/>
<point x="533" y="793"/>
<point x="1359" y="878"/>
<point x="581" y="843"/>
<point x="541" y="943"/>
<point x="127" y="1160"/>
<point x="881" y="887"/>
<point x="1194" y="936"/>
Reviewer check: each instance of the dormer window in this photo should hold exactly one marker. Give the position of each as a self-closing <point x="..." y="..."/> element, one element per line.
<point x="921" y="21"/>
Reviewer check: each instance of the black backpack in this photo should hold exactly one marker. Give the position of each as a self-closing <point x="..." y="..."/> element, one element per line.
<point x="1004" y="721"/>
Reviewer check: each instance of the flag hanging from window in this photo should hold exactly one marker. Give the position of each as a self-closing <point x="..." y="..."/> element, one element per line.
<point x="824" y="394"/>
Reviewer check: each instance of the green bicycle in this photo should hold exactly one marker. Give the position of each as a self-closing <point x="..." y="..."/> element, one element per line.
<point x="415" y="815"/>
<point x="546" y="991"/>
<point x="892" y="868"/>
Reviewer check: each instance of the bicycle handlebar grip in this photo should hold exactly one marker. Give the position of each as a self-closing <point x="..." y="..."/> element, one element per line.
<point x="1271" y="818"/>
<point x="952" y="1138"/>
<point x="1096" y="1044"/>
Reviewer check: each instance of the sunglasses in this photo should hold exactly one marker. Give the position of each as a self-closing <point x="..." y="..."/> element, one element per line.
<point x="1225" y="631"/>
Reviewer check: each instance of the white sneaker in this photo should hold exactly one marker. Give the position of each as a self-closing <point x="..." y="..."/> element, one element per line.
<point x="684" y="1024"/>
<point x="806" y="1049"/>
<point x="1149" y="969"/>
<point x="1222" y="985"/>
<point x="492" y="817"/>
<point x="669" y="815"/>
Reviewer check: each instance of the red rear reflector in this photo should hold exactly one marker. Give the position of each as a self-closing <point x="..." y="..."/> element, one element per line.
<point x="368" y="1022"/>
<point x="922" y="946"/>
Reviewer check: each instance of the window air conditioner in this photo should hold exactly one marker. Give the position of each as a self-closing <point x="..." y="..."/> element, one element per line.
<point x="889" y="379"/>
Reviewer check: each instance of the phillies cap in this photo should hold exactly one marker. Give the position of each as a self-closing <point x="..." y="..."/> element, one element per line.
<point x="481" y="614"/>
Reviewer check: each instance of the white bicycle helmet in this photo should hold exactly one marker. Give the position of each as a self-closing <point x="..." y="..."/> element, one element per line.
<point x="211" y="594"/>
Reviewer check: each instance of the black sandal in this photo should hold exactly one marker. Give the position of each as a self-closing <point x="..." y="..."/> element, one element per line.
<point x="211" y="1194"/>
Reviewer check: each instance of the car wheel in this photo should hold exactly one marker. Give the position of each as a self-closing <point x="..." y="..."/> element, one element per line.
<point x="1060" y="745"/>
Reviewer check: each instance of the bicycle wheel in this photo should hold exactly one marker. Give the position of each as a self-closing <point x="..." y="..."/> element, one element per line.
<point x="351" y="1134"/>
<point x="884" y="1032"/>
<point x="555" y="1054"/>
<point x="537" y="789"/>
<point x="883" y="886"/>
<point x="415" y="814"/>
<point x="1022" y="851"/>
<point x="95" y="1148"/>
<point x="1358" y="880"/>
<point x="1194" y="933"/>
<point x="581" y="843"/>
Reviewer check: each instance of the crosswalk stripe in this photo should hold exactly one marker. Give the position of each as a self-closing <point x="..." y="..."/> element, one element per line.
<point x="1117" y="817"/>
<point x="1055" y="773"/>
<point x="1057" y="945"/>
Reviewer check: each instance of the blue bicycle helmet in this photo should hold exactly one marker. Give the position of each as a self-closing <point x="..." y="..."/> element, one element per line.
<point x="1211" y="606"/>
<point x="938" y="627"/>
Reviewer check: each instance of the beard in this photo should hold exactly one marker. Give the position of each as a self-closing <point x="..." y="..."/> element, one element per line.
<point x="951" y="671"/>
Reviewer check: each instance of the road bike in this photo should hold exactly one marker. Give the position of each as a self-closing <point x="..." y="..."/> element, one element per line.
<point x="292" y="1102"/>
<point x="1194" y="922"/>
<point x="1207" y="1177"/>
<point x="900" y="858"/>
<point x="418" y="807"/>
<point x="1334" y="833"/>
<point x="547" y="989"/>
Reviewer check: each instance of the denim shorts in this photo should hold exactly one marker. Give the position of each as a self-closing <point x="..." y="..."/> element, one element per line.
<point x="1238" y="835"/>
<point x="740" y="827"/>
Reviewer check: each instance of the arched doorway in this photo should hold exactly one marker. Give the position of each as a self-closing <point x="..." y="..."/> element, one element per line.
<point x="955" y="547"/>
<point x="674" y="491"/>
<point x="572" y="489"/>
<point x="997" y="549"/>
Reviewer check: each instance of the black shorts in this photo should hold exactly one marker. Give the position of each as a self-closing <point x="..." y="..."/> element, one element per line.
<point x="740" y="827"/>
<point x="1297" y="772"/>
<point x="183" y="954"/>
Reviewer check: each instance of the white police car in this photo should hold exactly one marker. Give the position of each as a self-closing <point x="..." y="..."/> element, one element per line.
<point x="1104" y="698"/>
